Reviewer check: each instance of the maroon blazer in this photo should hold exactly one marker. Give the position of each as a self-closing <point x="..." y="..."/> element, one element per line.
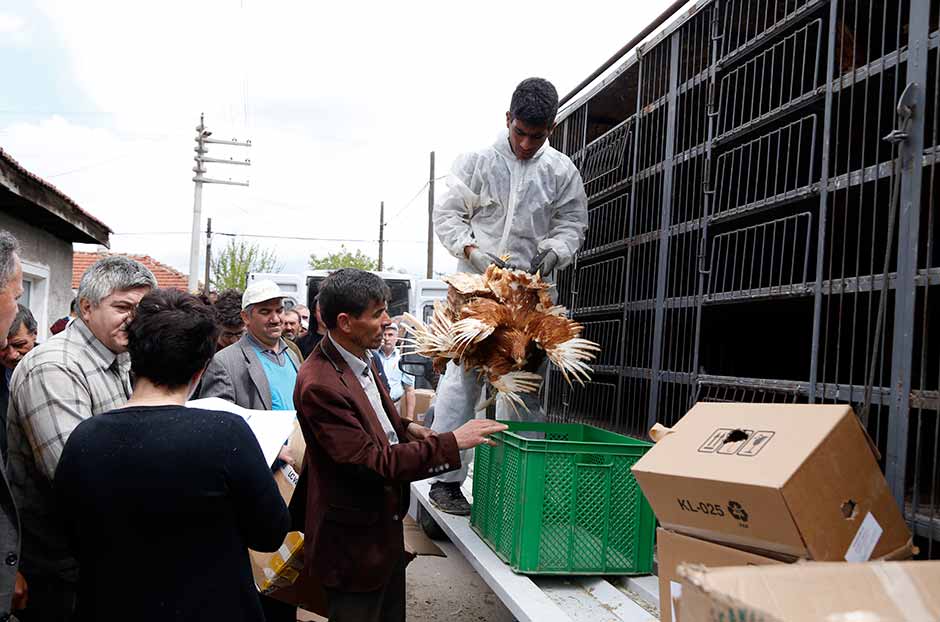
<point x="357" y="484"/>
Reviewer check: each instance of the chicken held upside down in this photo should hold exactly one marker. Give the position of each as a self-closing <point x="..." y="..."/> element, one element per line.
<point x="502" y="323"/>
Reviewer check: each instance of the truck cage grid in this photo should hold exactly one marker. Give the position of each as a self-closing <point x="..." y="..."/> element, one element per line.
<point x="763" y="193"/>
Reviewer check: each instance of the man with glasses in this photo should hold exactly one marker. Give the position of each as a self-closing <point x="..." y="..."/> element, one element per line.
<point x="228" y="310"/>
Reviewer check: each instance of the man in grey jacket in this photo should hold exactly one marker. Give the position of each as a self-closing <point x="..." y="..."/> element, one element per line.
<point x="257" y="370"/>
<point x="12" y="584"/>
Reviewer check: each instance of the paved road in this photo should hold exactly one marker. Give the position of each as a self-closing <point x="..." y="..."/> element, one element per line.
<point x="448" y="589"/>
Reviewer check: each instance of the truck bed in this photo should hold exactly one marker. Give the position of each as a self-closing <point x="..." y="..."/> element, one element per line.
<point x="546" y="598"/>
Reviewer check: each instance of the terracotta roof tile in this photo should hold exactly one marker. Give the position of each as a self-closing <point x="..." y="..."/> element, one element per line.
<point x="167" y="277"/>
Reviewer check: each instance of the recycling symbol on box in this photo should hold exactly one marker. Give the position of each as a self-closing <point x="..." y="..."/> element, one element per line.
<point x="737" y="510"/>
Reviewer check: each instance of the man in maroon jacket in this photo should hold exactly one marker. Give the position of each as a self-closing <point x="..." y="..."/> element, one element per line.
<point x="361" y="456"/>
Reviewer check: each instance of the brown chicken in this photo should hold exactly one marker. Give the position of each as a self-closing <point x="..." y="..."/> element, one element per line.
<point x="502" y="323"/>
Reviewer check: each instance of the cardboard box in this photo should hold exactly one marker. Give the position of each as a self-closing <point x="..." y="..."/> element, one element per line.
<point x="278" y="570"/>
<point x="796" y="480"/>
<point x="673" y="549"/>
<point x="423" y="400"/>
<point x="281" y="568"/>
<point x="809" y="592"/>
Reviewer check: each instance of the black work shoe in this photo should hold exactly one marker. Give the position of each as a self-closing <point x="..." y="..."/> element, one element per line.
<point x="447" y="497"/>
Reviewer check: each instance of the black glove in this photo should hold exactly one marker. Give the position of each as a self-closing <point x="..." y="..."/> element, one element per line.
<point x="481" y="260"/>
<point x="544" y="263"/>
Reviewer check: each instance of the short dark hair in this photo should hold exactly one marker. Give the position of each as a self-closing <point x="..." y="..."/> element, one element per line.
<point x="24" y="317"/>
<point x="73" y="306"/>
<point x="535" y="101"/>
<point x="172" y="337"/>
<point x="228" y="308"/>
<point x="351" y="291"/>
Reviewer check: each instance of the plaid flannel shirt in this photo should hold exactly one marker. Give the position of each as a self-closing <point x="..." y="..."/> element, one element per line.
<point x="70" y="378"/>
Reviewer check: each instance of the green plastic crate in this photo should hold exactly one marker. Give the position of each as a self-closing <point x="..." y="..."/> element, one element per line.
<point x="555" y="498"/>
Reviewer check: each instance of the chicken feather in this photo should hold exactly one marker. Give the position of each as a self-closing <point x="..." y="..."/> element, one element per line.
<point x="504" y="324"/>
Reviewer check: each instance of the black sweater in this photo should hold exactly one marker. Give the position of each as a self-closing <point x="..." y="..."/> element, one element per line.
<point x="161" y="505"/>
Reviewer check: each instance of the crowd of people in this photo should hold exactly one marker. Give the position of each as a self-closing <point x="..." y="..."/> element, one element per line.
<point x="118" y="502"/>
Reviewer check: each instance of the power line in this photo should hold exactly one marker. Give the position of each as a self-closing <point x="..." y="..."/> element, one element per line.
<point x="89" y="166"/>
<point x="271" y="237"/>
<point x="152" y="233"/>
<point x="306" y="239"/>
<point x="408" y="204"/>
<point x="124" y="156"/>
<point x="293" y="237"/>
<point x="60" y="112"/>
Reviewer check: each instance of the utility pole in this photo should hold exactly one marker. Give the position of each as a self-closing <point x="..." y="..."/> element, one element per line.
<point x="202" y="139"/>
<point x="431" y="220"/>
<point x="208" y="254"/>
<point x="381" y="232"/>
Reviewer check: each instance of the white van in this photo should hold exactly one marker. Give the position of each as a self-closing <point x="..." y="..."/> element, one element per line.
<point x="409" y="293"/>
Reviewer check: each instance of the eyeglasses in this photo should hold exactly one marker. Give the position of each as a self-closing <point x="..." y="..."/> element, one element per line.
<point x="233" y="334"/>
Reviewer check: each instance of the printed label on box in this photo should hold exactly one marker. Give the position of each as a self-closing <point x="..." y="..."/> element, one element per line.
<point x="755" y="443"/>
<point x="715" y="439"/>
<point x="865" y="540"/>
<point x="292" y="476"/>
<point x="735" y="440"/>
<point x="731" y="441"/>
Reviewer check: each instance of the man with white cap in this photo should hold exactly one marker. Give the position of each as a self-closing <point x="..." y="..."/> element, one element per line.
<point x="258" y="372"/>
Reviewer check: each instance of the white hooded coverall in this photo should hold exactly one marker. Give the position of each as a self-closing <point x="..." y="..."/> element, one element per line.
<point x="504" y="206"/>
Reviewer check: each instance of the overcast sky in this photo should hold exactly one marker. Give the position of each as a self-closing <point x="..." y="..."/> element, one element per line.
<point x="342" y="102"/>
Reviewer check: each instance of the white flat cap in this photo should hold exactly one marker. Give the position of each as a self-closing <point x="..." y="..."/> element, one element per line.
<point x="260" y="291"/>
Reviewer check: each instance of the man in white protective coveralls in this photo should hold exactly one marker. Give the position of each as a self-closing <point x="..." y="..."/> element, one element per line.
<point x="518" y="197"/>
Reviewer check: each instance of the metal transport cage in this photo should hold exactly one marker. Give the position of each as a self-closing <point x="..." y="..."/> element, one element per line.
<point x="763" y="201"/>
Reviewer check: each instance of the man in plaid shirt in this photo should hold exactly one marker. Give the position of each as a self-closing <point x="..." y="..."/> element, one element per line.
<point x="78" y="373"/>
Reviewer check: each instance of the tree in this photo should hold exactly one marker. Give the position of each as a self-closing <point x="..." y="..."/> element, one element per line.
<point x="230" y="268"/>
<point x="342" y="259"/>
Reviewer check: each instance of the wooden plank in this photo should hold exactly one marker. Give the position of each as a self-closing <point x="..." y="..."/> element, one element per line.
<point x="646" y="587"/>
<point x="611" y="599"/>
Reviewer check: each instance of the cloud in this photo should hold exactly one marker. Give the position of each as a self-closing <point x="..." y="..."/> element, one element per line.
<point x="10" y="24"/>
<point x="342" y="101"/>
<point x="13" y="30"/>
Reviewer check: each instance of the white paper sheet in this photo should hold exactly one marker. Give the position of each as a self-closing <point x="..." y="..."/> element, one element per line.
<point x="271" y="427"/>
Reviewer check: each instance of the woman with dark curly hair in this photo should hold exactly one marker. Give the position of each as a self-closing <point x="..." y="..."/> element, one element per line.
<point x="162" y="502"/>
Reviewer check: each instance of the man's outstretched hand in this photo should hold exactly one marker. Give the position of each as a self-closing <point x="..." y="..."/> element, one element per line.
<point x="476" y="431"/>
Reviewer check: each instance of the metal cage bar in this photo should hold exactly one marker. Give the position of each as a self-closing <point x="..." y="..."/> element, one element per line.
<point x="779" y="78"/>
<point x="605" y="161"/>
<point x="765" y="260"/>
<point x="775" y="168"/>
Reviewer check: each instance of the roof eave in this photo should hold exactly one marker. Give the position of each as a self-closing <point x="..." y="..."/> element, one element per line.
<point x="76" y="224"/>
